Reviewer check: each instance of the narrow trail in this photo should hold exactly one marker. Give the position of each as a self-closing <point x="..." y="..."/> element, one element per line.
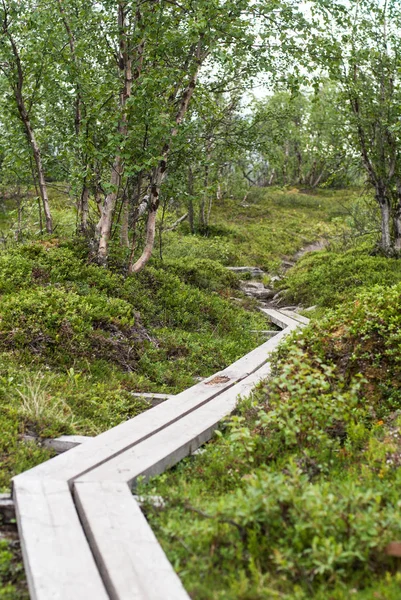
<point x="267" y="296"/>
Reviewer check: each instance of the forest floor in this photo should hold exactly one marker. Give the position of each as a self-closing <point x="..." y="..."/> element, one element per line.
<point x="76" y="340"/>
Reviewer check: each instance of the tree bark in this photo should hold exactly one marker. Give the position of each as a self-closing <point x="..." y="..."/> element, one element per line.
<point x="203" y="212"/>
<point x="124" y="239"/>
<point x="161" y="169"/>
<point x="397" y="219"/>
<point x="39" y="165"/>
<point x="191" y="200"/>
<point x="84" y="203"/>
<point x="84" y="207"/>
<point x="385" y="209"/>
<point x="125" y="64"/>
<point x="18" y="86"/>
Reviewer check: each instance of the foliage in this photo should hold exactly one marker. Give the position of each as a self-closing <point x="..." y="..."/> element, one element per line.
<point x="358" y="46"/>
<point x="203" y="273"/>
<point x="296" y="497"/>
<point x="330" y="277"/>
<point x="272" y="224"/>
<point x="11" y="574"/>
<point x="76" y="339"/>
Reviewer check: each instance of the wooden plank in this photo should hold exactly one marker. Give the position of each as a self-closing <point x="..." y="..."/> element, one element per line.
<point x="279" y="318"/>
<point x="151" y="396"/>
<point x="170" y="445"/>
<point x="58" y="561"/>
<point x="107" y="445"/>
<point x="130" y="559"/>
<point x="294" y="315"/>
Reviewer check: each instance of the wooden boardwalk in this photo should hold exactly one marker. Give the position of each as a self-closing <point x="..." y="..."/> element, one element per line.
<point x="83" y="535"/>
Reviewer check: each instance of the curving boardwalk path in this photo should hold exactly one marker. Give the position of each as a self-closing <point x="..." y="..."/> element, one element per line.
<point x="83" y="535"/>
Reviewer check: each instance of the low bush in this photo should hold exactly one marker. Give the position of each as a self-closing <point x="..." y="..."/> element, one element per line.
<point x="76" y="339"/>
<point x="203" y="273"/>
<point x="297" y="496"/>
<point x="11" y="573"/>
<point x="328" y="278"/>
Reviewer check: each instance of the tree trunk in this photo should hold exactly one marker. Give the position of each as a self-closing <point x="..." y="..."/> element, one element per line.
<point x="84" y="206"/>
<point x="160" y="171"/>
<point x="397" y="225"/>
<point x="272" y="177"/>
<point x="385" y="209"/>
<point x="124" y="239"/>
<point x="107" y="210"/>
<point x="191" y="200"/>
<point x="39" y="168"/>
<point x="125" y="64"/>
<point x="203" y="212"/>
<point x="24" y="115"/>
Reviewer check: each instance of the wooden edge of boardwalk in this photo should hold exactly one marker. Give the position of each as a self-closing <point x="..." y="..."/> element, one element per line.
<point x="109" y="444"/>
<point x="72" y="531"/>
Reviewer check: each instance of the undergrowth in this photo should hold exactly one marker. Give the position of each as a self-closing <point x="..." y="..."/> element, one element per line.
<point x="297" y="496"/>
<point x="77" y="339"/>
<point x="269" y="225"/>
<point x="332" y="276"/>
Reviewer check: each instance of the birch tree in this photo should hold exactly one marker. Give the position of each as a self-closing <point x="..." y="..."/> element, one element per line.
<point x="24" y="79"/>
<point x="361" y="49"/>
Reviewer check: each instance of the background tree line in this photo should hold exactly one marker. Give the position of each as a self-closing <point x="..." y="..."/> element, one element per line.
<point x="139" y="108"/>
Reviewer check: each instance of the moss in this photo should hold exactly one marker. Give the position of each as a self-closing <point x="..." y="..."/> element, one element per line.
<point x="330" y="277"/>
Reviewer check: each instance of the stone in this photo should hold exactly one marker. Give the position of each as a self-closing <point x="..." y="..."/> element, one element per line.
<point x="65" y="442"/>
<point x="7" y="509"/>
<point x="257" y="290"/>
<point x="254" y="271"/>
<point x="310" y="308"/>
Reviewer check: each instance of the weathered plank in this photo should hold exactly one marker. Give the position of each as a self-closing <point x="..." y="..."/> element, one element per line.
<point x="56" y="552"/>
<point x="151" y="396"/>
<point x="131" y="561"/>
<point x="170" y="445"/>
<point x="65" y="442"/>
<point x="279" y="318"/>
<point x="294" y="315"/>
<point x="58" y="561"/>
<point x="107" y="445"/>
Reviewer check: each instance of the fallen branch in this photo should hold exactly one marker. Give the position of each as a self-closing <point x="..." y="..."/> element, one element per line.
<point x="176" y="223"/>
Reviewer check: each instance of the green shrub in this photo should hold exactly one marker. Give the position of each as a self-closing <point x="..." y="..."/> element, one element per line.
<point x="203" y="273"/>
<point x="49" y="320"/>
<point x="328" y="278"/>
<point x="297" y="497"/>
<point x="12" y="585"/>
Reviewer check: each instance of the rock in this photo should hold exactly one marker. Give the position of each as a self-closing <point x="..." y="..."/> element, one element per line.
<point x="254" y="271"/>
<point x="155" y="501"/>
<point x="65" y="442"/>
<point x="265" y="294"/>
<point x="310" y="308"/>
<point x="251" y="285"/>
<point x="7" y="509"/>
<point x="257" y="290"/>
<point x="278" y="298"/>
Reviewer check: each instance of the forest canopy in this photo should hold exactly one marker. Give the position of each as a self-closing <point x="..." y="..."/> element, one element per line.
<point x="138" y="108"/>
